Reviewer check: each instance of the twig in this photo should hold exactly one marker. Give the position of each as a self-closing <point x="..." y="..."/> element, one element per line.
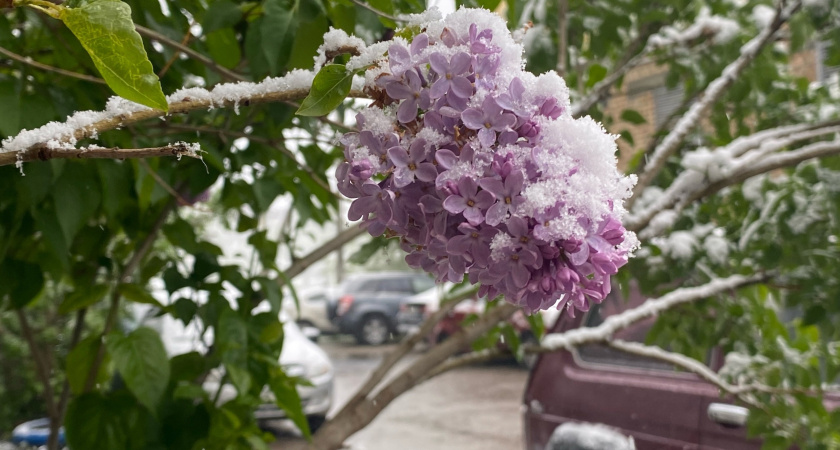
<point x="78" y="327"/>
<point x="650" y="308"/>
<point x="125" y="276"/>
<point x="303" y="263"/>
<point x="41" y="365"/>
<point x="281" y="148"/>
<point x="486" y="354"/>
<point x="46" y="154"/>
<point x="162" y="183"/>
<point x="228" y="74"/>
<point x="376" y="11"/>
<point x="176" y="54"/>
<point x="42" y="66"/>
<point x="714" y="91"/>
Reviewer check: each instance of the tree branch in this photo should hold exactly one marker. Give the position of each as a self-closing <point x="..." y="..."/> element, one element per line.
<point x="225" y="73"/>
<point x="332" y="435"/>
<point x="42" y="66"/>
<point x="376" y="11"/>
<point x="650" y="308"/>
<point x="692" y="185"/>
<point x="45" y="154"/>
<point x="407" y="344"/>
<point x="78" y="327"/>
<point x="487" y="354"/>
<point x="312" y="257"/>
<point x="41" y="365"/>
<point x="714" y="91"/>
<point x="125" y="276"/>
<point x="120" y="112"/>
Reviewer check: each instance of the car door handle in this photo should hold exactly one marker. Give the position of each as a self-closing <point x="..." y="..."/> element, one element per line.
<point x="731" y="416"/>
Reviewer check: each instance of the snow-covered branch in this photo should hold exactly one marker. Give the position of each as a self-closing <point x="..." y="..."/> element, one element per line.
<point x="710" y="171"/>
<point x="652" y="307"/>
<point x="61" y="136"/>
<point x="177" y="150"/>
<point x="714" y="91"/>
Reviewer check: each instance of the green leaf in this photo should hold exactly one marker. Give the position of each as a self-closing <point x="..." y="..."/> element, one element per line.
<point x="21" y="281"/>
<point x="288" y="400"/>
<point x="79" y="362"/>
<point x="329" y="88"/>
<point x="106" y="31"/>
<point x="232" y="341"/>
<point x="138" y="294"/>
<point x="82" y="298"/>
<point x="109" y="421"/>
<point x="597" y="73"/>
<point x="141" y="360"/>
<point x="632" y="116"/>
<point x="220" y="14"/>
<point x="10" y="112"/>
<point x="278" y="33"/>
<point x="224" y="48"/>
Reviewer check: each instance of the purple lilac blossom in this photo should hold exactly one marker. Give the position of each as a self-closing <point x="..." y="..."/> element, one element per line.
<point x="480" y="171"/>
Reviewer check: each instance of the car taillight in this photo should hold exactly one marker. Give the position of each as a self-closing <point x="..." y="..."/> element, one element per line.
<point x="344" y="304"/>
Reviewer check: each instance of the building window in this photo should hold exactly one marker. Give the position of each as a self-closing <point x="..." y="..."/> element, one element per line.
<point x="825" y="71"/>
<point x="667" y="102"/>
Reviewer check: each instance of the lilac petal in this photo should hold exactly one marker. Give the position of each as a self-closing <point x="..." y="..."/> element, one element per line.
<point x="490" y="107"/>
<point x="419" y="43"/>
<point x="486" y="136"/>
<point x="449" y="112"/>
<point x="517" y="89"/>
<point x="514" y="182"/>
<point x="517" y="226"/>
<point x="473" y="119"/>
<point x="467" y="187"/>
<point x="439" y="63"/>
<point x="403" y="177"/>
<point x="407" y="111"/>
<point x="461" y="87"/>
<point x="371" y="188"/>
<point x="455" y="204"/>
<point x="503" y="122"/>
<point x="445" y="158"/>
<point x="399" y="57"/>
<point x="417" y="150"/>
<point x="580" y="256"/>
<point x="361" y="207"/>
<point x="494" y="186"/>
<point x="398" y="90"/>
<point x="474" y="216"/>
<point x="483" y="199"/>
<point x="399" y="156"/>
<point x="459" y="103"/>
<point x="413" y="81"/>
<point x="376" y="228"/>
<point x="460" y="63"/>
<point x="496" y="214"/>
<point x="370" y="141"/>
<point x="439" y="89"/>
<point x="520" y="275"/>
<point x="448" y="37"/>
<point x="459" y="245"/>
<point x="426" y="172"/>
<point x="481" y="253"/>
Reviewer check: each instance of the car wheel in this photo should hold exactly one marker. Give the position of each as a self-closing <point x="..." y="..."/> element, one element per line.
<point x="373" y="330"/>
<point x="315" y="422"/>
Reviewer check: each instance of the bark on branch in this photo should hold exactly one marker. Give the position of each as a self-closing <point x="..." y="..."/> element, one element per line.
<point x="45" y="154"/>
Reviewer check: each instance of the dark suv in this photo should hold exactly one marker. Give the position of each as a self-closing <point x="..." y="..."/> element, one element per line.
<point x="366" y="305"/>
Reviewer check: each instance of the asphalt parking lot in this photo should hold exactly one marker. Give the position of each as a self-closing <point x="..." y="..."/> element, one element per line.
<point x="473" y="407"/>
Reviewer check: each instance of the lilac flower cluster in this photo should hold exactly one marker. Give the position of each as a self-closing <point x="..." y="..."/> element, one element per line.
<point x="479" y="169"/>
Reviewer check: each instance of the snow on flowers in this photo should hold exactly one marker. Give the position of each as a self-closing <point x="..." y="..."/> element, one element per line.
<point x="479" y="169"/>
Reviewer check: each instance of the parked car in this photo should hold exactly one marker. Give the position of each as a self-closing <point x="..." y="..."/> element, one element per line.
<point x="312" y="310"/>
<point x="35" y="433"/>
<point x="366" y="305"/>
<point x="647" y="399"/>
<point x="300" y="357"/>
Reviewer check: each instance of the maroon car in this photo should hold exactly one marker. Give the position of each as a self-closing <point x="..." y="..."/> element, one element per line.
<point x="650" y="400"/>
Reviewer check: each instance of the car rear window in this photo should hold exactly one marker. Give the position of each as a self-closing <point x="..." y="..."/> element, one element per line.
<point x="603" y="354"/>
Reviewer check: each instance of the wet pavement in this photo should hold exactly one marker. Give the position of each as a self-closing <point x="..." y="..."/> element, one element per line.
<point x="472" y="407"/>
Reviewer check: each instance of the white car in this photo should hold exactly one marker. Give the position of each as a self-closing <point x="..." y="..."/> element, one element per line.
<point x="302" y="358"/>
